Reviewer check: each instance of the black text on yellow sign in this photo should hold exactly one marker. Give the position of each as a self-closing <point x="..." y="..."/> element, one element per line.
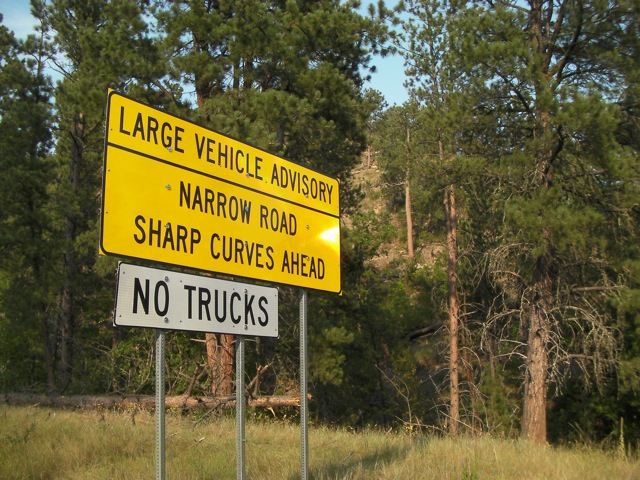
<point x="149" y="131"/>
<point x="169" y="197"/>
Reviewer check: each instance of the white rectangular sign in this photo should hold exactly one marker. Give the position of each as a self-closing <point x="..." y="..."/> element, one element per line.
<point x="153" y="298"/>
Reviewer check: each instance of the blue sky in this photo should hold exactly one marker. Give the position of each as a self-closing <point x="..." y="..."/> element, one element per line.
<point x="388" y="78"/>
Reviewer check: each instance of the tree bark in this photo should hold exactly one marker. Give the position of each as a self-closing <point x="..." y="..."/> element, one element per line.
<point x="220" y="347"/>
<point x="220" y="360"/>
<point x="454" y="307"/>
<point x="454" y="304"/>
<point x="534" y="412"/>
<point x="67" y="315"/>
<point x="407" y="197"/>
<point x="228" y="362"/>
<point x="48" y="340"/>
<point x="410" y="249"/>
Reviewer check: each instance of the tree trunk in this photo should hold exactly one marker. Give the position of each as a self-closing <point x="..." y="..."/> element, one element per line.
<point x="220" y="348"/>
<point x="451" y="222"/>
<point x="534" y="409"/>
<point x="407" y="197"/>
<point x="454" y="306"/>
<point x="534" y="414"/>
<point x="47" y="333"/>
<point x="67" y="315"/>
<point x="220" y="359"/>
<point x="409" y="218"/>
<point x="211" y="343"/>
<point x="228" y="360"/>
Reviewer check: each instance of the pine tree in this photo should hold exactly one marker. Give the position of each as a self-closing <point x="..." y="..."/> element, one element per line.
<point x="284" y="76"/>
<point x="26" y="227"/>
<point x="548" y="74"/>
<point x="439" y="87"/>
<point x="99" y="45"/>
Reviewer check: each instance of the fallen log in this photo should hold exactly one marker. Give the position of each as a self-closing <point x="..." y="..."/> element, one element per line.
<point x="144" y="401"/>
<point x="422" y="332"/>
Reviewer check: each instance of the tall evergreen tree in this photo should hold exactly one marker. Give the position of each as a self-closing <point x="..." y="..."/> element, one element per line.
<point x="26" y="227"/>
<point x="99" y="45"/>
<point x="285" y="76"/>
<point x="548" y="75"/>
<point x="440" y="88"/>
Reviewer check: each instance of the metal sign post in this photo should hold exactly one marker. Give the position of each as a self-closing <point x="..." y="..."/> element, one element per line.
<point x="275" y="221"/>
<point x="240" y="409"/>
<point x="160" y="424"/>
<point x="304" y="431"/>
<point x="154" y="298"/>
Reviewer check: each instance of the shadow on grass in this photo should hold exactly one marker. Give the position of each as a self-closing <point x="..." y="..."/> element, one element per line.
<point x="364" y="465"/>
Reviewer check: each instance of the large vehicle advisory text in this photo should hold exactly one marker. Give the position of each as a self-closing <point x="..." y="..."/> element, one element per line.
<point x="181" y="194"/>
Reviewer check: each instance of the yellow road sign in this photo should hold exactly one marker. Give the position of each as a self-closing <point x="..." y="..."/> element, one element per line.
<point x="181" y="194"/>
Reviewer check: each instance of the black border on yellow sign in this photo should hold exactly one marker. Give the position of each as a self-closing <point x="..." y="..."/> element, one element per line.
<point x="109" y="145"/>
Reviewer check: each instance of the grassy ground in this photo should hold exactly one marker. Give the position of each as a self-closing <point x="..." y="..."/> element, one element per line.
<point x="40" y="443"/>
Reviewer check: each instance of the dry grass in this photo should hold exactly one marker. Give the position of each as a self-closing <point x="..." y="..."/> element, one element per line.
<point x="48" y="444"/>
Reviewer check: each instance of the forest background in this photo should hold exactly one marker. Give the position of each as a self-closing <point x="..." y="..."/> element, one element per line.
<point x="489" y="224"/>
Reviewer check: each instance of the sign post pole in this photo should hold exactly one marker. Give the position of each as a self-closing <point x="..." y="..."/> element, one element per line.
<point x="240" y="409"/>
<point x="275" y="221"/>
<point x="304" y="431"/>
<point x="160" y="408"/>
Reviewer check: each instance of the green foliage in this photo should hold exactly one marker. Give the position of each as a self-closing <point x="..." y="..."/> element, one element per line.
<point x="284" y="76"/>
<point x="26" y="242"/>
<point x="370" y="230"/>
<point x="327" y="356"/>
<point x="500" y="404"/>
<point x="543" y="157"/>
<point x="530" y="139"/>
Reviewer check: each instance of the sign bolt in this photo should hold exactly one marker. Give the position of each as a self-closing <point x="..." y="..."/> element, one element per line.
<point x="167" y="226"/>
<point x="169" y="148"/>
<point x="166" y="320"/>
<point x="167" y="186"/>
<point x="166" y="279"/>
<point x="307" y="227"/>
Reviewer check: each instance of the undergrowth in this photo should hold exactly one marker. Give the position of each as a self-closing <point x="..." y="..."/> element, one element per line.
<point x="38" y="443"/>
